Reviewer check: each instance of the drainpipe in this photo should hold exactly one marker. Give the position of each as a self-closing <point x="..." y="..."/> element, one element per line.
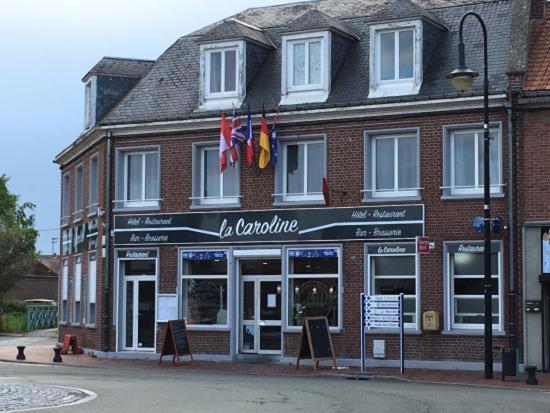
<point x="107" y="235"/>
<point x="511" y="224"/>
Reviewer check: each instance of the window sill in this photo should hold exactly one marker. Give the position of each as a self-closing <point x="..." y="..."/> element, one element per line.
<point x="215" y="206"/>
<point x="199" y="327"/>
<point x="213" y="103"/>
<point x="92" y="214"/>
<point x="470" y="332"/>
<point x="77" y="220"/>
<point x="300" y="202"/>
<point x="296" y="330"/>
<point x="394" y="89"/>
<point x="470" y="196"/>
<point x="62" y="323"/>
<point x="89" y="326"/>
<point x="302" y="97"/>
<point x="408" y="331"/>
<point x="137" y="208"/>
<point x="391" y="199"/>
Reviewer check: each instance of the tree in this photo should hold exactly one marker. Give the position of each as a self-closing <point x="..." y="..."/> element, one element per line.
<point x="17" y="237"/>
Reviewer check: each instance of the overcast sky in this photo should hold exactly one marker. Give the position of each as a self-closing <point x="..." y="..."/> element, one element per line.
<point x="46" y="47"/>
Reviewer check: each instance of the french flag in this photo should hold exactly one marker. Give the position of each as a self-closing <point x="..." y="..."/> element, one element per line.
<point x="225" y="143"/>
<point x="249" y="139"/>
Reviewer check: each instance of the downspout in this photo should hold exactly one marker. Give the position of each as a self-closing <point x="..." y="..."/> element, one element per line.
<point x="107" y="235"/>
<point x="511" y="224"/>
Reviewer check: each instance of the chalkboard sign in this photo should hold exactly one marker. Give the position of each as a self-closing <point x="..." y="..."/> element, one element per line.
<point x="315" y="342"/>
<point x="176" y="342"/>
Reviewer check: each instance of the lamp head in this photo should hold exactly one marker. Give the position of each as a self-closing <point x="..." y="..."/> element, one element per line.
<point x="462" y="78"/>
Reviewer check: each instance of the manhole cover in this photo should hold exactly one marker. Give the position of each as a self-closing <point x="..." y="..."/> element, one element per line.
<point x="22" y="397"/>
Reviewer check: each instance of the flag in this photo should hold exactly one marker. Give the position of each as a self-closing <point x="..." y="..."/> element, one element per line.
<point x="265" y="151"/>
<point x="273" y="142"/>
<point x="225" y="143"/>
<point x="237" y="137"/>
<point x="249" y="139"/>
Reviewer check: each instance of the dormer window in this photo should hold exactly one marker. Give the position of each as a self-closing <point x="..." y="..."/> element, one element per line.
<point x="306" y="68"/>
<point x="222" y="70"/>
<point x="395" y="59"/>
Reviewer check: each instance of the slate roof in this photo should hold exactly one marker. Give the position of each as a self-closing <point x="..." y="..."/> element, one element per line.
<point x="317" y="20"/>
<point x="537" y="77"/>
<point x="234" y="29"/>
<point x="117" y="66"/>
<point x="170" y="91"/>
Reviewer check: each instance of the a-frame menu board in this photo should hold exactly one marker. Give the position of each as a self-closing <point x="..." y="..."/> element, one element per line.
<point x="176" y="342"/>
<point x="315" y="342"/>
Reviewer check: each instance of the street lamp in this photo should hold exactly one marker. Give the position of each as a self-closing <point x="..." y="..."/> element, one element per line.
<point x="462" y="79"/>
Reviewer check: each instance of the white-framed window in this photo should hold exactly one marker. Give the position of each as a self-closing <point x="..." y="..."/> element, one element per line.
<point x="140" y="179"/>
<point x="465" y="280"/>
<point x="392" y="269"/>
<point x="77" y="287"/>
<point x="93" y="185"/>
<point x="90" y="93"/>
<point x="222" y="74"/>
<point x="79" y="193"/>
<point x="463" y="161"/>
<point x="314" y="285"/>
<point x="92" y="288"/>
<point x="65" y="199"/>
<point x="204" y="280"/>
<point x="306" y="68"/>
<point x="396" y="59"/>
<point x="210" y="186"/>
<point x="303" y="168"/>
<point x="63" y="313"/>
<point x="391" y="165"/>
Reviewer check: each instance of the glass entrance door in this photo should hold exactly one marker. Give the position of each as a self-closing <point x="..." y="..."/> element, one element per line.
<point x="260" y="315"/>
<point x="139" y="314"/>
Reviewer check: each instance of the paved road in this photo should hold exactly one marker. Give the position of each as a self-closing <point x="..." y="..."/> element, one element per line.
<point x="33" y="338"/>
<point x="141" y="390"/>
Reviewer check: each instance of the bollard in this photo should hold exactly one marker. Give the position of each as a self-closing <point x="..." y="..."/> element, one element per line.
<point x="57" y="355"/>
<point x="21" y="353"/>
<point x="531" y="378"/>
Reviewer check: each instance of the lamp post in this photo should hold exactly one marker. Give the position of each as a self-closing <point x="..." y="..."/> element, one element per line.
<point x="462" y="79"/>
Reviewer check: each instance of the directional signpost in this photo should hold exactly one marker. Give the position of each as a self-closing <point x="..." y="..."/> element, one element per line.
<point x="382" y="312"/>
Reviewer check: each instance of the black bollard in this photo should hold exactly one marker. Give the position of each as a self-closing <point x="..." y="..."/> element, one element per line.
<point x="21" y="353"/>
<point x="531" y="378"/>
<point x="57" y="355"/>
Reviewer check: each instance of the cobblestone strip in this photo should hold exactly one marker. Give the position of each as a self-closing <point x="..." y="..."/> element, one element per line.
<point x="26" y="397"/>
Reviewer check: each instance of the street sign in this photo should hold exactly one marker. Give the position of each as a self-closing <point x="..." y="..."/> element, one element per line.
<point x="382" y="312"/>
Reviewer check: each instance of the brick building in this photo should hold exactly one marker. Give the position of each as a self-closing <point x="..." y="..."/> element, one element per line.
<point x="152" y="231"/>
<point x="41" y="283"/>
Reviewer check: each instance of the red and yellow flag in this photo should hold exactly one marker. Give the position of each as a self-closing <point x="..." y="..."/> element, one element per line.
<point x="265" y="151"/>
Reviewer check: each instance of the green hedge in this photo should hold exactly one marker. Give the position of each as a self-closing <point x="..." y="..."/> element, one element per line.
<point x="13" y="306"/>
<point x="13" y="322"/>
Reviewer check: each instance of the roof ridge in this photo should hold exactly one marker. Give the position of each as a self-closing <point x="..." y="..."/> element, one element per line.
<point x="128" y="58"/>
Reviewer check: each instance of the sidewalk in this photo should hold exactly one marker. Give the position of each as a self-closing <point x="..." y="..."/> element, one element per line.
<point x="44" y="355"/>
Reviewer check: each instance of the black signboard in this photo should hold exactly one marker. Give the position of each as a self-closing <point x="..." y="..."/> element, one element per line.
<point x="391" y="249"/>
<point x="176" y="342"/>
<point x="136" y="254"/>
<point x="315" y="342"/>
<point x="312" y="224"/>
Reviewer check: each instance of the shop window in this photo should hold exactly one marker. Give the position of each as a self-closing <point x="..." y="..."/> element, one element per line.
<point x="396" y="56"/>
<point x="77" y="285"/>
<point x="314" y="285"/>
<point x="306" y="61"/>
<point x="204" y="286"/>
<point x="78" y="193"/>
<point x="65" y="199"/>
<point x="391" y="165"/>
<point x="463" y="162"/>
<point x="92" y="288"/>
<point x="212" y="188"/>
<point x="392" y="275"/>
<point x="300" y="179"/>
<point x="93" y="185"/>
<point x="64" y="291"/>
<point x="139" y="179"/>
<point x="465" y="274"/>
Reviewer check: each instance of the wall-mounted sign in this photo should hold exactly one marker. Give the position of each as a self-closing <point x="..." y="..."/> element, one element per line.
<point x="545" y="250"/>
<point x="136" y="254"/>
<point x="471" y="247"/>
<point x="390" y="249"/>
<point x="423" y="245"/>
<point x="313" y="224"/>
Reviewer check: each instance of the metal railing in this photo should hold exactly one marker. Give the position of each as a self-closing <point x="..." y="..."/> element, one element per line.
<point x="40" y="317"/>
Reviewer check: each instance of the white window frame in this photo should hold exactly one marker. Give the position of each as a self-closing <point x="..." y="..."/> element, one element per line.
<point x="65" y="199"/>
<point x="478" y="187"/>
<point x="78" y="193"/>
<point x="143" y="203"/>
<point x="395" y="87"/>
<point x="288" y="276"/>
<point x="450" y="322"/>
<point x="77" y="290"/>
<point x="93" y="207"/>
<point x="306" y="196"/>
<point x="222" y="100"/>
<point x="308" y="93"/>
<point x="64" y="294"/>
<point x="183" y="277"/>
<point x="92" y="288"/>
<point x="222" y="199"/>
<point x="371" y="279"/>
<point x="396" y="192"/>
<point x="90" y="94"/>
